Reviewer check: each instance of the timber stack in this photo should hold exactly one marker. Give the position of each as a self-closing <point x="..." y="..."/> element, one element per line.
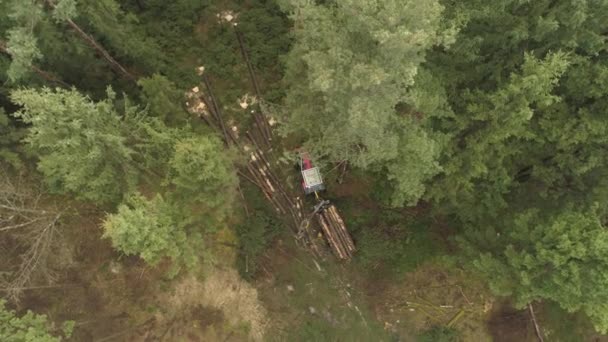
<point x="335" y="232"/>
<point x="258" y="169"/>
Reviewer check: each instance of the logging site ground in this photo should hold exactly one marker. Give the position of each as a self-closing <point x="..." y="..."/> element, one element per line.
<point x="288" y="170"/>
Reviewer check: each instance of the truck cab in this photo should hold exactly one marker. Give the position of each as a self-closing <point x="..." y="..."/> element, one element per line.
<point x="312" y="181"/>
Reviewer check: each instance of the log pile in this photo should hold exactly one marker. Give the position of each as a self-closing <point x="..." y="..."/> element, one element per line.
<point x="335" y="232"/>
<point x="259" y="172"/>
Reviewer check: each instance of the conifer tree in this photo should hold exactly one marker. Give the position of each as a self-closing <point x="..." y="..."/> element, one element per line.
<point x="351" y="66"/>
<point x="562" y="257"/>
<point x="83" y="146"/>
<point x="29" y="327"/>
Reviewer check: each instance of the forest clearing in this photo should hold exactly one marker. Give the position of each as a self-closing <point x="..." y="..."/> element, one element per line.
<point x="294" y="170"/>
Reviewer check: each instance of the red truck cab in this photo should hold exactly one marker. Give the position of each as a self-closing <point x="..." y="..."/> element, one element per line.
<point x="311" y="177"/>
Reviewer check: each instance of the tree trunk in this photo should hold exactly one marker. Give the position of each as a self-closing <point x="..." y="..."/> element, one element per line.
<point x="45" y="75"/>
<point x="100" y="49"/>
<point x="536" y="326"/>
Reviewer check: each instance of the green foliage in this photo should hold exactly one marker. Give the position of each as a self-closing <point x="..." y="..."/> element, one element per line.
<point x="481" y="158"/>
<point x="517" y="119"/>
<point x="562" y="326"/>
<point x="439" y="334"/>
<point x="64" y="10"/>
<point x="201" y="194"/>
<point x="265" y="29"/>
<point x="95" y="150"/>
<point x="9" y="137"/>
<point x="398" y="244"/>
<point x="22" y="44"/>
<point x="82" y="145"/>
<point x="255" y="234"/>
<point x="560" y="257"/>
<point x="351" y="65"/>
<point x="123" y="34"/>
<point x="202" y="174"/>
<point x="24" y="51"/>
<point x="163" y="98"/>
<point x="415" y="164"/>
<point x="28" y="328"/>
<point x="153" y="229"/>
<point x="321" y="330"/>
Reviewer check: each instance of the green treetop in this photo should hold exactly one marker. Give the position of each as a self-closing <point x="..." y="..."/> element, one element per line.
<point x="88" y="148"/>
<point x="561" y="257"/>
<point x="352" y="64"/>
<point x="200" y="194"/>
<point x="152" y="229"/>
<point x="28" y="328"/>
<point x="202" y="174"/>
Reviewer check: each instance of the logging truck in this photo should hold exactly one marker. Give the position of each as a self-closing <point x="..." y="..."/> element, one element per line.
<point x="311" y="177"/>
<point x="327" y="214"/>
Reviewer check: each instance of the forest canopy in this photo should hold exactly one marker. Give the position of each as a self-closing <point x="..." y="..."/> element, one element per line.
<point x="488" y="116"/>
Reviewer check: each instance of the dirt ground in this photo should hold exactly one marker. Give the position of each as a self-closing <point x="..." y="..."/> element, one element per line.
<point x="116" y="298"/>
<point x="507" y="324"/>
<point x="292" y="298"/>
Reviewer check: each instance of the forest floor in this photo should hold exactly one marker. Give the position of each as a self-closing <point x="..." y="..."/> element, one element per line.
<point x="291" y="296"/>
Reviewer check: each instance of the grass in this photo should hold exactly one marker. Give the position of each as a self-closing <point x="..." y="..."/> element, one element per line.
<point x="561" y="326"/>
<point x="389" y="239"/>
<point x="306" y="304"/>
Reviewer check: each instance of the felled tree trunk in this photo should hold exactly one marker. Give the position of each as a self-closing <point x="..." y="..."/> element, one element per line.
<point x="98" y="47"/>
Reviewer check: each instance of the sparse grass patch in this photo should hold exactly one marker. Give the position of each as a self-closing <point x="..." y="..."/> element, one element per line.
<point x="306" y="304"/>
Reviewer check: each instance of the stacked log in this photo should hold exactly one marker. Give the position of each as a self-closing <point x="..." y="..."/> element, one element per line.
<point x="258" y="171"/>
<point x="336" y="234"/>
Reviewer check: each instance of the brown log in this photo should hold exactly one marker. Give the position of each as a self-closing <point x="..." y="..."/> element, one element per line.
<point x="100" y="49"/>
<point x="342" y="240"/>
<point x="218" y="111"/>
<point x="217" y="117"/>
<point x="254" y="81"/>
<point x="335" y="237"/>
<point x="267" y="192"/>
<point x="255" y="182"/>
<point x="330" y="238"/>
<point x="242" y="174"/>
<point x="244" y="200"/>
<point x="342" y="227"/>
<point x="343" y="173"/>
<point x="539" y="334"/>
<point x="262" y="156"/>
<point x="258" y="115"/>
<point x="45" y="75"/>
<point x="267" y="172"/>
<point x="103" y="52"/>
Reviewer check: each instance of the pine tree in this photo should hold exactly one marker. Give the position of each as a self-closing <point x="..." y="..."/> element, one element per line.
<point x="203" y="176"/>
<point x="523" y="137"/>
<point x="28" y="328"/>
<point x="153" y="229"/>
<point x="21" y="41"/>
<point x="562" y="257"/>
<point x="82" y="145"/>
<point x="163" y="98"/>
<point x="351" y="66"/>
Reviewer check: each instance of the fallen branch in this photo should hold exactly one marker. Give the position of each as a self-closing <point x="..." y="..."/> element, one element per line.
<point x="45" y="75"/>
<point x="95" y="45"/>
<point x="536" y="327"/>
